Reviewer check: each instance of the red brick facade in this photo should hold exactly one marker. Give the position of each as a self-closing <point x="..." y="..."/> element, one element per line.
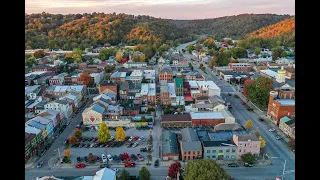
<point x="206" y="122"/>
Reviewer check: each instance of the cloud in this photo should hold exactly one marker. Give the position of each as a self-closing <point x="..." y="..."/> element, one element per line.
<point x="173" y="9"/>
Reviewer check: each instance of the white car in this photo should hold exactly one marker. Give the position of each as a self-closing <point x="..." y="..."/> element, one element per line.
<point x="103" y="157"/>
<point x="109" y="157"/>
<point x="271" y="130"/>
<point x="111" y="138"/>
<point x="116" y="170"/>
<point x="135" y="144"/>
<point x="141" y="138"/>
<point x="131" y="138"/>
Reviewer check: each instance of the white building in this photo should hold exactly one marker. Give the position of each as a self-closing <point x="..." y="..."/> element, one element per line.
<point x="134" y="64"/>
<point x="269" y="73"/>
<point x="149" y="75"/>
<point x="209" y="86"/>
<point x="172" y="93"/>
<point x="228" y="117"/>
<point x="96" y="77"/>
<point x="136" y="75"/>
<point x="175" y="62"/>
<point x="60" y="105"/>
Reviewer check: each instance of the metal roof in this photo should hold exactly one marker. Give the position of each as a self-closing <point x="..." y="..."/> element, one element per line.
<point x="169" y="143"/>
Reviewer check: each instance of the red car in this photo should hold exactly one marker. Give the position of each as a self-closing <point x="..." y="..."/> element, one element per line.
<point x="243" y="103"/>
<point x="140" y="157"/>
<point x="136" y="138"/>
<point x="127" y="137"/>
<point x="80" y="165"/>
<point x="129" y="164"/>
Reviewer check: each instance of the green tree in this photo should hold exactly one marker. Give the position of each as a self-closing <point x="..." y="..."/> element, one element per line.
<point x="163" y="48"/>
<point x="249" y="125"/>
<point x="105" y="53"/>
<point x="77" y="55"/>
<point x="257" y="51"/>
<point x="258" y="91"/>
<point x="210" y="51"/>
<point x="190" y="48"/>
<point x="30" y="62"/>
<point x="247" y="158"/>
<point x="191" y="67"/>
<point x="124" y="175"/>
<point x="144" y="174"/>
<point x="263" y="142"/>
<point x="239" y="53"/>
<point x="284" y="54"/>
<point x="276" y="52"/>
<point x="38" y="54"/>
<point x="77" y="133"/>
<point x="135" y="57"/>
<point x="257" y="133"/>
<point x="103" y="133"/>
<point x="203" y="170"/>
<point x="209" y="43"/>
<point x="221" y="58"/>
<point x="149" y="52"/>
<point x="108" y="76"/>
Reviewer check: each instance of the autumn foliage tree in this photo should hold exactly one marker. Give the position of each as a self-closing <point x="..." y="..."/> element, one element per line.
<point x="246" y="83"/>
<point x="86" y="79"/>
<point x="142" y="58"/>
<point x="91" y="158"/>
<point x="38" y="54"/>
<point x="263" y="142"/>
<point x="120" y="134"/>
<point x="77" y="133"/>
<point x="103" y="133"/>
<point x="257" y="133"/>
<point x="66" y="152"/>
<point x="174" y="169"/>
<point x="72" y="140"/>
<point x="119" y="57"/>
<point x="249" y="125"/>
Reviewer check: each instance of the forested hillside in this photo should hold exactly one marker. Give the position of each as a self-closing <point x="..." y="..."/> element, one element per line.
<point x="84" y="30"/>
<point x="278" y="34"/>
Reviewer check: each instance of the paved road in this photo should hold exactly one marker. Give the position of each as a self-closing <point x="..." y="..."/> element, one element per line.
<point x="183" y="46"/>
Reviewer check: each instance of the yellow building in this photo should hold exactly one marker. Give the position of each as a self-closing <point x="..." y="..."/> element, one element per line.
<point x="93" y="115"/>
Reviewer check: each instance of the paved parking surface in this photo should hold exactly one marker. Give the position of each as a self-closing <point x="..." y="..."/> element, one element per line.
<point x="129" y="132"/>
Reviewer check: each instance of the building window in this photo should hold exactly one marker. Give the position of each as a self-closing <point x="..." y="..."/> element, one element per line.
<point x="188" y="157"/>
<point x="213" y="151"/>
<point x="244" y="150"/>
<point x="228" y="150"/>
<point x="232" y="156"/>
<point x="198" y="152"/>
<point x="185" y="152"/>
<point x="208" y="157"/>
<point x="239" y="150"/>
<point x="189" y="152"/>
<point x="240" y="145"/>
<point x="227" y="156"/>
<point x="220" y="151"/>
<point x="233" y="150"/>
<point x="213" y="157"/>
<point x="245" y="145"/>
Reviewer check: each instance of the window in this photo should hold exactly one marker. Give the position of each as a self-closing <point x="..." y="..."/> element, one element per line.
<point x="189" y="152"/>
<point x="213" y="157"/>
<point x="185" y="152"/>
<point x="233" y="156"/>
<point x="239" y="150"/>
<point x="240" y="145"/>
<point x="213" y="151"/>
<point x="198" y="152"/>
<point x="227" y="156"/>
<point x="188" y="157"/>
<point x="220" y="151"/>
<point x="228" y="150"/>
<point x="244" y="150"/>
<point x="233" y="150"/>
<point x="245" y="145"/>
<point x="208" y="157"/>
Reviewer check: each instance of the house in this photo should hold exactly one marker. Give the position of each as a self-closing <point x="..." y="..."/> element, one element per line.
<point x="53" y="116"/>
<point x="61" y="91"/>
<point x="170" y="149"/>
<point x="43" y="124"/>
<point x="219" y="150"/>
<point x="44" y="68"/>
<point x="290" y="72"/>
<point x="149" y="75"/>
<point x="166" y="74"/>
<point x="247" y="143"/>
<point x="161" y="60"/>
<point x="175" y="62"/>
<point x="206" y="118"/>
<point x="123" y="90"/>
<point x="40" y="107"/>
<point x="176" y="120"/>
<point x="218" y="106"/>
<point x="178" y="84"/>
<point x="73" y="99"/>
<point x="31" y="92"/>
<point x="136" y="75"/>
<point x="58" y="79"/>
<point x="148" y="92"/>
<point x="135" y="65"/>
<point x="118" y="76"/>
<point x="228" y="117"/>
<point x="206" y="106"/>
<point x="61" y="106"/>
<point x="190" y="145"/>
<point x="107" y="86"/>
<point x="227" y="127"/>
<point x="287" y="125"/>
<point x="279" y="108"/>
<point x="93" y="115"/>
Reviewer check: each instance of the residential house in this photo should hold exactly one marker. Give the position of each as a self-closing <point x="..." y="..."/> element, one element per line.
<point x="247" y="143"/>
<point x="123" y="90"/>
<point x="290" y="72"/>
<point x="40" y="107"/>
<point x="53" y="116"/>
<point x="31" y="92"/>
<point x="176" y="120"/>
<point x="287" y="125"/>
<point x="93" y="115"/>
<point x="136" y="75"/>
<point x="107" y="86"/>
<point x="206" y="118"/>
<point x="170" y="150"/>
<point x="61" y="106"/>
<point x="279" y="108"/>
<point x="43" y="124"/>
<point x="61" y="91"/>
<point x="190" y="145"/>
<point x="219" y="150"/>
<point x="58" y="79"/>
<point x="118" y="76"/>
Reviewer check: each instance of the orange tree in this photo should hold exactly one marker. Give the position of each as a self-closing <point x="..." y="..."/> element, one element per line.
<point x="72" y="140"/>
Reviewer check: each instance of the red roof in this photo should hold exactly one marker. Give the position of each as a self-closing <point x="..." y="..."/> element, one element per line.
<point x="124" y="60"/>
<point x="188" y="98"/>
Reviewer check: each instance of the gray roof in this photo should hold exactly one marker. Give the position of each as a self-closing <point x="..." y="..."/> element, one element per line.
<point x="169" y="143"/>
<point x="226" y="127"/>
<point x="216" y="98"/>
<point x="189" y="134"/>
<point x="217" y="143"/>
<point x="290" y="82"/>
<point x="246" y="137"/>
<point x="124" y="86"/>
<point x="224" y="135"/>
<point x="192" y="146"/>
<point x="61" y="101"/>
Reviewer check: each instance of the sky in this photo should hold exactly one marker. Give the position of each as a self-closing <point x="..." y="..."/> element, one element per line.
<point x="167" y="9"/>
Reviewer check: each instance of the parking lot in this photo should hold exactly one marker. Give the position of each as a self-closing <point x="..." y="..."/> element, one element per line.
<point x="129" y="132"/>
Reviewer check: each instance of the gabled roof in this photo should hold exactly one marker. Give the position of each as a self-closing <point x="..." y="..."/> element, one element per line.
<point x="189" y="134"/>
<point x="226" y="127"/>
<point x="99" y="109"/>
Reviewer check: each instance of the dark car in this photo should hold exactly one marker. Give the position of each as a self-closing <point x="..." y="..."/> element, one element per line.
<point x="233" y="165"/>
<point x="78" y="159"/>
<point x="134" y="157"/>
<point x="104" y="166"/>
<point x="248" y="164"/>
<point x="156" y="163"/>
<point x="86" y="159"/>
<point x="143" y="149"/>
<point x="260" y="119"/>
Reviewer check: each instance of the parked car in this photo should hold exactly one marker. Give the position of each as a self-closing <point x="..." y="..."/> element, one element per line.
<point x="156" y="163"/>
<point x="116" y="158"/>
<point x="140" y="157"/>
<point x="271" y="130"/>
<point x="141" y="138"/>
<point x="131" y="138"/>
<point x="127" y="138"/>
<point x="135" y="144"/>
<point x="78" y="159"/>
<point x="104" y="166"/>
<point x="136" y="138"/>
<point x="129" y="145"/>
<point x="129" y="164"/>
<point x="109" y="157"/>
<point x="39" y="165"/>
<point x="86" y="159"/>
<point x="248" y="164"/>
<point x="278" y="137"/>
<point x="104" y="158"/>
<point x="92" y="145"/>
<point x="143" y="149"/>
<point x="116" y="170"/>
<point x="233" y="165"/>
<point x="260" y="119"/>
<point x="111" y="138"/>
<point x="243" y="103"/>
<point x="80" y="165"/>
<point x="134" y="157"/>
<point x="236" y="96"/>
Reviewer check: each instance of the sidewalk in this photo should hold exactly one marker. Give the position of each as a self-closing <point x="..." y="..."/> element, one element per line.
<point x="31" y="163"/>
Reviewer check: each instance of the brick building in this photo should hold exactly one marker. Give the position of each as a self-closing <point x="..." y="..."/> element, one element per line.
<point x="240" y="67"/>
<point x="279" y="108"/>
<point x="176" y="120"/>
<point x="190" y="145"/>
<point x="107" y="85"/>
<point x="206" y="118"/>
<point x="166" y="74"/>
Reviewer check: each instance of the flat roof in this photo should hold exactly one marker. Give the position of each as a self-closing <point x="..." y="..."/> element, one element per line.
<point x="269" y="73"/>
<point x="206" y="115"/>
<point x="35" y="73"/>
<point x="286" y="102"/>
<point x="144" y="89"/>
<point x="172" y="91"/>
<point x="152" y="89"/>
<point x="176" y="117"/>
<point x="136" y="73"/>
<point x="225" y="135"/>
<point x="193" y="84"/>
